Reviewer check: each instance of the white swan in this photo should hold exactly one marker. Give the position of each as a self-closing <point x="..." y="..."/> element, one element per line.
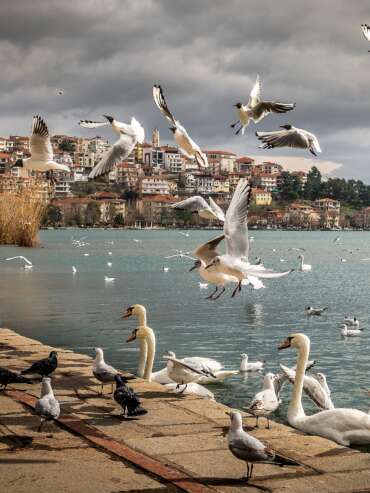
<point x="246" y="366"/>
<point x="265" y="402"/>
<point x="302" y="266"/>
<point x="344" y="426"/>
<point x="147" y="341"/>
<point x="346" y="332"/>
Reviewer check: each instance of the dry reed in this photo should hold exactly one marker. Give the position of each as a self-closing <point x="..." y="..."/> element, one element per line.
<point x="20" y="216"/>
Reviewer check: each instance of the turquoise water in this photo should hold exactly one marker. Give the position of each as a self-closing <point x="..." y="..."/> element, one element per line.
<point x="82" y="311"/>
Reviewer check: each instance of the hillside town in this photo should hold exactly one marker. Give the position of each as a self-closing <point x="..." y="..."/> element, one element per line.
<point x="140" y="191"/>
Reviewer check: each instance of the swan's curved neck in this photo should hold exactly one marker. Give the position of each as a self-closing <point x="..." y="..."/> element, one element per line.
<point x="295" y="409"/>
<point x="150" y="340"/>
<point x="143" y="356"/>
<point x="141" y="316"/>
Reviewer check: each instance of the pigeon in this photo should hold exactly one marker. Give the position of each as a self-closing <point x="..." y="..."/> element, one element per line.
<point x="129" y="136"/>
<point x="187" y="146"/>
<point x="256" y="109"/>
<point x="249" y="449"/>
<point x="289" y="137"/>
<point x="7" y="377"/>
<point x="365" y="28"/>
<point x="47" y="407"/>
<point x="42" y="157"/>
<point x="43" y="367"/>
<point x="127" y="398"/>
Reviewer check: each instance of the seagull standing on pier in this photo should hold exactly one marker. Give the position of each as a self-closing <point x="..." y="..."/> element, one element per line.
<point x="42" y="157"/>
<point x="256" y="109"/>
<point x="129" y="136"/>
<point x="101" y="371"/>
<point x="47" y="407"/>
<point x="187" y="146"/>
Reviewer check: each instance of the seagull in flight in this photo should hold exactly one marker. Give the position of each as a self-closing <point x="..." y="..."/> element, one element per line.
<point x="256" y="109"/>
<point x="129" y="135"/>
<point x="187" y="146"/>
<point x="365" y="28"/>
<point x="199" y="205"/>
<point x="27" y="263"/>
<point x="42" y="157"/>
<point x="289" y="137"/>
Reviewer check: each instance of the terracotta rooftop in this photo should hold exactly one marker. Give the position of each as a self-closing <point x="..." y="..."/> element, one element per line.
<point x="225" y="153"/>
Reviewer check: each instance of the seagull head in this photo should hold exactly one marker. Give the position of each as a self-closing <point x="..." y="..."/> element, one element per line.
<point x="109" y="118"/>
<point x="213" y="263"/>
<point x="235" y="419"/>
<point x="238" y="105"/>
<point x="196" y="265"/>
<point x="287" y="127"/>
<point x="173" y="129"/>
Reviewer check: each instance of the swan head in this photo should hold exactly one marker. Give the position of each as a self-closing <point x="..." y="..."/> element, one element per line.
<point x="295" y="340"/>
<point x="134" y="310"/>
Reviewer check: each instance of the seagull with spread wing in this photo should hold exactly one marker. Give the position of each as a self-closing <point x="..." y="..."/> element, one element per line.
<point x="198" y="204"/>
<point x="42" y="157"/>
<point x="290" y="137"/>
<point x="129" y="135"/>
<point x="187" y="146"/>
<point x="365" y="28"/>
<point x="256" y="109"/>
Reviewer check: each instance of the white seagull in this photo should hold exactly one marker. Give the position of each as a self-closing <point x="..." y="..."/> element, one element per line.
<point x="183" y="372"/>
<point x="47" y="406"/>
<point x="289" y="137"/>
<point x="74" y="270"/>
<point x="365" y="28"/>
<point x="310" y="310"/>
<point x="235" y="261"/>
<point x="353" y="332"/>
<point x="42" y="157"/>
<point x="27" y="263"/>
<point x="247" y="366"/>
<point x="109" y="279"/>
<point x="101" y="371"/>
<point x="265" y="402"/>
<point x="198" y="205"/>
<point x="256" y="109"/>
<point x="129" y="135"/>
<point x="187" y="146"/>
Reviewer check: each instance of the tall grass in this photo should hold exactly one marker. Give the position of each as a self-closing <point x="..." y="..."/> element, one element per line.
<point x="20" y="217"/>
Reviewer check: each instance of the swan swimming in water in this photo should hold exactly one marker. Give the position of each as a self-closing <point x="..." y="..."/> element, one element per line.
<point x="342" y="425"/>
<point x="302" y="266"/>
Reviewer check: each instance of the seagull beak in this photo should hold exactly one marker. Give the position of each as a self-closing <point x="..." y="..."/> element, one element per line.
<point x="194" y="267"/>
<point x="228" y="412"/>
<point x="207" y="266"/>
<point x="285" y="344"/>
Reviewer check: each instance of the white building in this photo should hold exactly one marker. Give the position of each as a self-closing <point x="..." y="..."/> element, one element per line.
<point x="204" y="184"/>
<point x="226" y="160"/>
<point x="154" y="185"/>
<point x="172" y="160"/>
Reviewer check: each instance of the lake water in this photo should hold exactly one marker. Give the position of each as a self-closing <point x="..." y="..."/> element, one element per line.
<point x="82" y="311"/>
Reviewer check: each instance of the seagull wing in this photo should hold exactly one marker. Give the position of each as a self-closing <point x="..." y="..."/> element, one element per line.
<point x="201" y="159"/>
<point x="216" y="209"/>
<point x="235" y="225"/>
<point x="255" y="94"/>
<point x="195" y="203"/>
<point x="161" y="103"/>
<point x="21" y="257"/>
<point x="365" y="28"/>
<point x="207" y="251"/>
<point x="91" y="124"/>
<point x="118" y="152"/>
<point x="265" y="107"/>
<point x="194" y="367"/>
<point x="283" y="138"/>
<point x="40" y="144"/>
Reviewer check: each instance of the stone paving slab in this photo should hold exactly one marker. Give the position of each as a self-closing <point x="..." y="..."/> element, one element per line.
<point x="185" y="433"/>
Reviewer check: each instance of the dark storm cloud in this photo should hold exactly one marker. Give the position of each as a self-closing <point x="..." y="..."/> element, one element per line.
<point x="206" y="54"/>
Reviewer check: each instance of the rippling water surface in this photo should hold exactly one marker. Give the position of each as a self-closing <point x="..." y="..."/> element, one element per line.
<point x="82" y="311"/>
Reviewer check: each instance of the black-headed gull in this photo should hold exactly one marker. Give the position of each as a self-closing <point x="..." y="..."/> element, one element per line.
<point x="199" y="205"/>
<point x="290" y="137"/>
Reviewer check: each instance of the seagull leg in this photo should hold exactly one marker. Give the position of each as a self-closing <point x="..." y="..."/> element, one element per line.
<point x="211" y="295"/>
<point x="101" y="389"/>
<point x="251" y="471"/>
<point x="237" y="289"/>
<point x="256" y="425"/>
<point x="268" y="423"/>
<point x="234" y="124"/>
<point x="42" y="421"/>
<point x="247" y="476"/>
<point x="220" y="293"/>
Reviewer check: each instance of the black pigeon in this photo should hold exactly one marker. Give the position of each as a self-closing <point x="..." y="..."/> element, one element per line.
<point x="127" y="398"/>
<point x="43" y="367"/>
<point x="7" y="377"/>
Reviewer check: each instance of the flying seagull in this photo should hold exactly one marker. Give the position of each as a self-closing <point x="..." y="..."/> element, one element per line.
<point x="249" y="449"/>
<point x="27" y="263"/>
<point x="198" y="205"/>
<point x="187" y="146"/>
<point x="365" y="28"/>
<point x="289" y="137"/>
<point x="42" y="157"/>
<point x="256" y="109"/>
<point x="129" y="136"/>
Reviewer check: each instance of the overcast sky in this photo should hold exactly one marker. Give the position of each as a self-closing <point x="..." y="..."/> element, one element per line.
<point x="106" y="55"/>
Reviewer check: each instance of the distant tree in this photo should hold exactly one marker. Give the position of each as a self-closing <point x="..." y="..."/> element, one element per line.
<point x="291" y="187"/>
<point x="119" y="220"/>
<point x="92" y="213"/>
<point x="312" y="189"/>
<point x="66" y="146"/>
<point x="53" y="216"/>
<point x="129" y="195"/>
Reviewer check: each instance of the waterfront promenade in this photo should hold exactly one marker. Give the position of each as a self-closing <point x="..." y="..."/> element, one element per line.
<point x="178" y="446"/>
